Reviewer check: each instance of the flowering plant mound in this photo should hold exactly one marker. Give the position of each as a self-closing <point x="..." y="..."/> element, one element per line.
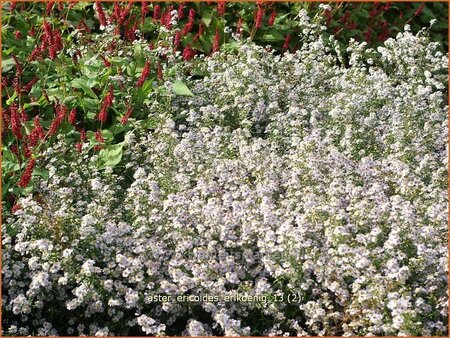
<point x="318" y="184"/>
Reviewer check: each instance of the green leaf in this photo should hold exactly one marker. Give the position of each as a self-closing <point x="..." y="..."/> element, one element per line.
<point x="80" y="83"/>
<point x="10" y="163"/>
<point x="7" y="65"/>
<point x="110" y="156"/>
<point x="180" y="88"/>
<point x="11" y="99"/>
<point x="142" y="92"/>
<point x="207" y="16"/>
<point x="272" y="36"/>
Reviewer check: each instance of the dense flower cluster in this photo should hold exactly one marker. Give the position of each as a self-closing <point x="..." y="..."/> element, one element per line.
<point x="294" y="175"/>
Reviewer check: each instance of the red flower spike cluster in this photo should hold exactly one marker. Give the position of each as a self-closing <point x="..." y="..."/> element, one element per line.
<point x="51" y="40"/>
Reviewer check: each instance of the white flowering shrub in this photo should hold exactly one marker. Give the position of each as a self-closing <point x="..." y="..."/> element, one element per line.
<point x="317" y="183"/>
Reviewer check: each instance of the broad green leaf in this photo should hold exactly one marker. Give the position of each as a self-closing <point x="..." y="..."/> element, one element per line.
<point x="110" y="156"/>
<point x="180" y="88"/>
<point x="10" y="162"/>
<point x="7" y="65"/>
<point x="207" y="16"/>
<point x="272" y="36"/>
<point x="80" y="83"/>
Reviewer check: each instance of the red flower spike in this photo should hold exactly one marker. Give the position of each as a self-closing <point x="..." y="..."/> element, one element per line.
<point x="26" y="89"/>
<point x="419" y="10"/>
<point x="127" y="115"/>
<point x="166" y="18"/>
<point x="49" y="7"/>
<point x="105" y="61"/>
<point x="130" y="34"/>
<point x="6" y="119"/>
<point x="83" y="136"/>
<point x="259" y="17"/>
<point x="286" y="41"/>
<point x="221" y="8"/>
<point x="328" y="16"/>
<point x="15" y="150"/>
<point x="18" y="66"/>
<point x="181" y="11"/>
<point x="99" y="138"/>
<point x="61" y="111"/>
<point x="156" y="12"/>
<point x="16" y="125"/>
<point x="367" y="35"/>
<point x="26" y="176"/>
<point x="107" y="102"/>
<point x="272" y="17"/>
<point x="16" y="208"/>
<point x="17" y="35"/>
<point x="16" y="85"/>
<point x="125" y="13"/>
<point x="144" y="11"/>
<point x="38" y="128"/>
<point x="216" y="42"/>
<point x="47" y="39"/>
<point x="26" y="148"/>
<point x="78" y="146"/>
<point x="116" y="13"/>
<point x="239" y="25"/>
<point x="23" y="115"/>
<point x="176" y="40"/>
<point x="144" y="74"/>
<point x="83" y="27"/>
<point x="100" y="13"/>
<point x="57" y="40"/>
<point x="188" y="53"/>
<point x="190" y="24"/>
<point x="73" y="116"/>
